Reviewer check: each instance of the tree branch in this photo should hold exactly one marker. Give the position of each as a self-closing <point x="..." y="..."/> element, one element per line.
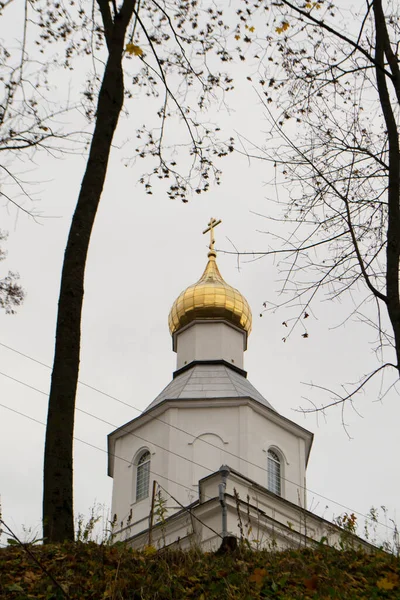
<point x="107" y="19"/>
<point x="337" y="34"/>
<point x="343" y="399"/>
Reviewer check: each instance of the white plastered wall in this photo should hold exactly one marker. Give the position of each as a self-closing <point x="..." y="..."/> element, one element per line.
<point x="210" y="341"/>
<point x="188" y="442"/>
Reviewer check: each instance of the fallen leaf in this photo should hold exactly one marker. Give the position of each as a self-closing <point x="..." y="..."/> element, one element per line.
<point x="389" y="582"/>
<point x="222" y="573"/>
<point x="312" y="583"/>
<point x="257" y="576"/>
<point x="30" y="576"/>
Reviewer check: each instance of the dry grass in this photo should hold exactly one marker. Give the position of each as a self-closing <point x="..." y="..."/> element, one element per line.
<point x="101" y="572"/>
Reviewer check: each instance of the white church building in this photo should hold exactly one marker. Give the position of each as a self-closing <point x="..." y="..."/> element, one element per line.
<point x="210" y="458"/>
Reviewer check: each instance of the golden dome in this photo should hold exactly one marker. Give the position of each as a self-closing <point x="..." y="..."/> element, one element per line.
<point x="210" y="298"/>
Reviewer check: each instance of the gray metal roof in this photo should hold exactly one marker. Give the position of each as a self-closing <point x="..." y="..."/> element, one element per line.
<point x="209" y="381"/>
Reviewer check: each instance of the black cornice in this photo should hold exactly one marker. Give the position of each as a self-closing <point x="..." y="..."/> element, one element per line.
<point x="210" y="362"/>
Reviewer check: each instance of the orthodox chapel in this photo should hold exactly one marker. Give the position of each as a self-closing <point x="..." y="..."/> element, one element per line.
<point x="210" y="458"/>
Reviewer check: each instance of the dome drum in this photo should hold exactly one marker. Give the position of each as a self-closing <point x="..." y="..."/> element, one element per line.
<point x="213" y="337"/>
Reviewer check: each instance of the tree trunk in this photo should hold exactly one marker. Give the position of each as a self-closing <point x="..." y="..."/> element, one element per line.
<point x="58" y="521"/>
<point x="382" y="50"/>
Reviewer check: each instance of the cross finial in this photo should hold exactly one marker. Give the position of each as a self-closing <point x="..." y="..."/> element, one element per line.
<point x="210" y="228"/>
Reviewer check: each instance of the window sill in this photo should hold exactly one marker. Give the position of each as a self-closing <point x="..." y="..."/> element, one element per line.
<point x="137" y="502"/>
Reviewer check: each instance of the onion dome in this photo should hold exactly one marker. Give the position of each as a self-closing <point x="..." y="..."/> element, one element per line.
<point x="211" y="298"/>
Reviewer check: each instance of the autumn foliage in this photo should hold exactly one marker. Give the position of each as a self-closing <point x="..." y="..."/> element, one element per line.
<point x="80" y="571"/>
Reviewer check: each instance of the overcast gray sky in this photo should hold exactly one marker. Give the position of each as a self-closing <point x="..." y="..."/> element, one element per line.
<point x="144" y="251"/>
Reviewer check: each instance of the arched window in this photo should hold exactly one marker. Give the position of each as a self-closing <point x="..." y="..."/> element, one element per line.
<point x="274" y="473"/>
<point x="143" y="476"/>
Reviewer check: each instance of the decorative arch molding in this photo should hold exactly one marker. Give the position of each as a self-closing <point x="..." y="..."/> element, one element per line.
<point x="138" y="454"/>
<point x="207" y="452"/>
<point x="278" y="450"/>
<point x="200" y="435"/>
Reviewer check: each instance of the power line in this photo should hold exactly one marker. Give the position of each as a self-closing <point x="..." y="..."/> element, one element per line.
<point x="298" y="485"/>
<point x="156" y="419"/>
<point x="190" y="512"/>
<point x="25" y="355"/>
<point x="26" y="548"/>
<point x="85" y="412"/>
<point x="166" y="450"/>
<point x="100" y="449"/>
<point x="153" y="473"/>
<point x="159" y="420"/>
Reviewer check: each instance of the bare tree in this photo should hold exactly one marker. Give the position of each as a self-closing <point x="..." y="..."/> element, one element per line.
<point x="27" y="126"/>
<point x="330" y="87"/>
<point x="163" y="49"/>
<point x="30" y="114"/>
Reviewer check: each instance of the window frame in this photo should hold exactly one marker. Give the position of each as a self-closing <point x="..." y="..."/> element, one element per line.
<point x="274" y="472"/>
<point x="142" y="475"/>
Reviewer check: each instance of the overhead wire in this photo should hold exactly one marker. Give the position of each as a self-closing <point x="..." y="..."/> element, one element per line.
<point x="124" y="429"/>
<point x="158" y="445"/>
<point x="129" y="462"/>
<point x="298" y="485"/>
<point x="102" y="450"/>
<point x="190" y="511"/>
<point x="34" y="558"/>
<point x="226" y="451"/>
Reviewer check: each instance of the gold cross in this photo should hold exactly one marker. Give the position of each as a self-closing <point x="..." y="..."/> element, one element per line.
<point x="213" y="223"/>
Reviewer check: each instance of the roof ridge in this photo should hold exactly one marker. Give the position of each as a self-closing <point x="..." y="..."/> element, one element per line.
<point x="233" y="375"/>
<point x="190" y="375"/>
<point x="164" y="388"/>
<point x="233" y="382"/>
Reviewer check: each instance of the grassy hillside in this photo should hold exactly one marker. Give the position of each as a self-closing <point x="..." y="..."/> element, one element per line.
<point x="83" y="571"/>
